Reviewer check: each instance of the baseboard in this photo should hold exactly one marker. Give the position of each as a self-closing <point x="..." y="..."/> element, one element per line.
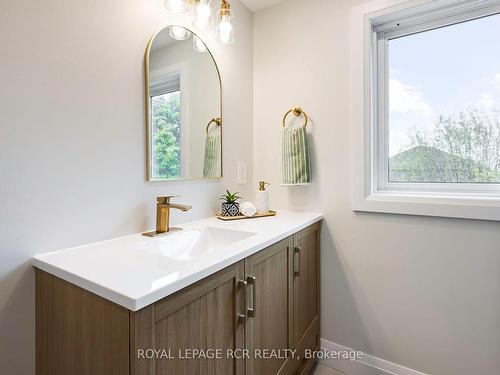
<point x="366" y="365"/>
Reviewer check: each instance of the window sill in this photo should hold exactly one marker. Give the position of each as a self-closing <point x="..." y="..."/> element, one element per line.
<point x="449" y="205"/>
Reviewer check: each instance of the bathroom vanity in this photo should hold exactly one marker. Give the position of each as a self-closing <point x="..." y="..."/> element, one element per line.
<point x="216" y="298"/>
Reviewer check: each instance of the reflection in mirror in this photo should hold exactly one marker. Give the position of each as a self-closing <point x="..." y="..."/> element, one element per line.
<point x="183" y="96"/>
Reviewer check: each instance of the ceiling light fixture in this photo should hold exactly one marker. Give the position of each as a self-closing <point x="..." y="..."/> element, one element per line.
<point x="198" y="45"/>
<point x="179" y="33"/>
<point x="225" y="30"/>
<point x="203" y="19"/>
<point x="177" y="6"/>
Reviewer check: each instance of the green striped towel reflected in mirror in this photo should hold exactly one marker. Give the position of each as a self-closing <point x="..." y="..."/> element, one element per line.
<point x="296" y="161"/>
<point x="212" y="159"/>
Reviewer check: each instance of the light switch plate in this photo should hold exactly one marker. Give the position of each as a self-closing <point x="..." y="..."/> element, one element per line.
<point x="242" y="173"/>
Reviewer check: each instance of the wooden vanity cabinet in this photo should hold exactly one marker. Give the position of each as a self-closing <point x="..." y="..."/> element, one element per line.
<point x="268" y="301"/>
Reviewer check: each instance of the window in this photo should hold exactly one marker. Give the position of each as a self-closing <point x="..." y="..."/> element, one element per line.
<point x="166" y="127"/>
<point x="444" y="104"/>
<point x="432" y="122"/>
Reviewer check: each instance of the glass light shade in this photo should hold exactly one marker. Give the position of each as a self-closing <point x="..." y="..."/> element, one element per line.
<point x="179" y="33"/>
<point x="198" y="45"/>
<point x="177" y="6"/>
<point x="203" y="18"/>
<point x="225" y="31"/>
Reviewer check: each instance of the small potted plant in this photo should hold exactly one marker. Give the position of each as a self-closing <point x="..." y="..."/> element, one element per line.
<point x="230" y="206"/>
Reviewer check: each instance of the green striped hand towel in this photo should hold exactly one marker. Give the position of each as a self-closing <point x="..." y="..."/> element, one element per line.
<point x="212" y="160"/>
<point x="296" y="162"/>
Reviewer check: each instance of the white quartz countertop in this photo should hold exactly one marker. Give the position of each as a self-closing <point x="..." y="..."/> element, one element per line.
<point x="135" y="271"/>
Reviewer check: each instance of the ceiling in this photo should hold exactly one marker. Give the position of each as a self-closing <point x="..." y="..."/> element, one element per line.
<point x="256" y="5"/>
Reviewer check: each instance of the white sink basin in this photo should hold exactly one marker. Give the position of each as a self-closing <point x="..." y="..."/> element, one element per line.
<point x="190" y="243"/>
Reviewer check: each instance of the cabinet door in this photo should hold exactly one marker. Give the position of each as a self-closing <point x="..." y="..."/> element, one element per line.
<point x="305" y="284"/>
<point x="268" y="301"/>
<point x="204" y="317"/>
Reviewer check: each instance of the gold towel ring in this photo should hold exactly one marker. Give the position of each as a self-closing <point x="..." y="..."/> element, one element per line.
<point x="217" y="121"/>
<point x="297" y="111"/>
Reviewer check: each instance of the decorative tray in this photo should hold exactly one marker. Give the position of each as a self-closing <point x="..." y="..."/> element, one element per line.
<point x="242" y="217"/>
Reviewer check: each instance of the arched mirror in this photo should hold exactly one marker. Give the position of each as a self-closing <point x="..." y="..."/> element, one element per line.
<point x="183" y="107"/>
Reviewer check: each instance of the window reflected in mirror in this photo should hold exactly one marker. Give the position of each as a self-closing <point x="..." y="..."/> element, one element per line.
<point x="166" y="131"/>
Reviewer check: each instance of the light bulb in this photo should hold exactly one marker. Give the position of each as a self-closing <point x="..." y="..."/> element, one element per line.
<point x="203" y="16"/>
<point x="198" y="45"/>
<point x="225" y="31"/>
<point x="179" y="33"/>
<point x="177" y="6"/>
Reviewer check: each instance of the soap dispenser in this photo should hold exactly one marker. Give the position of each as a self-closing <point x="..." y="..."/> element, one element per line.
<point x="262" y="198"/>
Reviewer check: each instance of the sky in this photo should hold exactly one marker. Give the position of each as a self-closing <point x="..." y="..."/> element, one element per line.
<point x="442" y="71"/>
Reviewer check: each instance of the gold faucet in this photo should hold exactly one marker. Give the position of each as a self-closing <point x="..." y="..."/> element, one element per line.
<point x="163" y="207"/>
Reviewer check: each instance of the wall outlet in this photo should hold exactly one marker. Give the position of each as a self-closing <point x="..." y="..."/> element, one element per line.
<point x="242" y="173"/>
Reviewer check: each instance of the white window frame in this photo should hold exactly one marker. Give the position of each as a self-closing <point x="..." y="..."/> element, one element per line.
<point x="373" y="25"/>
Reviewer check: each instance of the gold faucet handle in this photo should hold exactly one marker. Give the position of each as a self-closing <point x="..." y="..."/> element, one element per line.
<point x="165" y="199"/>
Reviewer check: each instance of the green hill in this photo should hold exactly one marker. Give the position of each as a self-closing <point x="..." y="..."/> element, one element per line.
<point x="429" y="164"/>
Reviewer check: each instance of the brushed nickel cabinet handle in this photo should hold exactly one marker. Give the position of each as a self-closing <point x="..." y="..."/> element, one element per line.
<point x="251" y="280"/>
<point x="296" y="270"/>
<point x="242" y="318"/>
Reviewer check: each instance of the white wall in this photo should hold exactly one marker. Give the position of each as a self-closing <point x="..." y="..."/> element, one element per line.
<point x="421" y="292"/>
<point x="72" y="138"/>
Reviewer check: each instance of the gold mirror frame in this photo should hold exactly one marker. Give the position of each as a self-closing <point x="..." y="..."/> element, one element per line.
<point x="147" y="102"/>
